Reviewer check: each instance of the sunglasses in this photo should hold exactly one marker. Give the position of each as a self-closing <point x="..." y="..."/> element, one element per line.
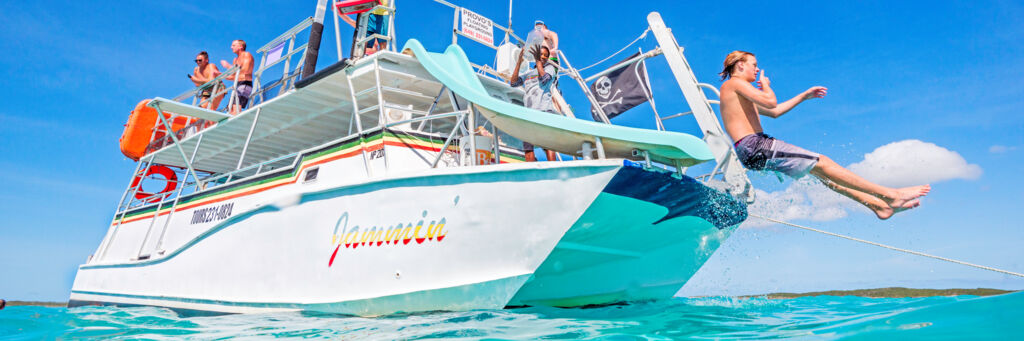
<point x="199" y="60"/>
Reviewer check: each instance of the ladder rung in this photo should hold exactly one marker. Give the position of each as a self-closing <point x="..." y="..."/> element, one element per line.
<point x="375" y="107"/>
<point x="361" y="93"/>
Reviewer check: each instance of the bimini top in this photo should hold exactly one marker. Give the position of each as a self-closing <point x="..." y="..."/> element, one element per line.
<point x="556" y="132"/>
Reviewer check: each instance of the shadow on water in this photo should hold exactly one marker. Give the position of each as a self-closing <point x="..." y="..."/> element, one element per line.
<point x="818" y="317"/>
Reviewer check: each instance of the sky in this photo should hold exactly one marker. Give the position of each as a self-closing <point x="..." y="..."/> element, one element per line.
<point x="918" y="92"/>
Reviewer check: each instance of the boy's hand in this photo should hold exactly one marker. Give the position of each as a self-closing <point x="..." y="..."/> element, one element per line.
<point x="815" y="92"/>
<point x="763" y="81"/>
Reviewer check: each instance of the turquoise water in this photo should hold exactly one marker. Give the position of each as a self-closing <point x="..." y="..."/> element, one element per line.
<point x="820" y="317"/>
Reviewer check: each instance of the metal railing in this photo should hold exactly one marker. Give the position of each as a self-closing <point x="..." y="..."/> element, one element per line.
<point x="509" y="35"/>
<point x="287" y="81"/>
<point x="359" y="46"/>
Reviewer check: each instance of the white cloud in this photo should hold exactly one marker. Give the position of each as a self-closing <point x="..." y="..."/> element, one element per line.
<point x="998" y="149"/>
<point x="902" y="163"/>
<point x="914" y="162"/>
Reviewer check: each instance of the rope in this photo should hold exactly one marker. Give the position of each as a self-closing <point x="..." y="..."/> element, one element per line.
<point x="890" y="247"/>
<point x="642" y="36"/>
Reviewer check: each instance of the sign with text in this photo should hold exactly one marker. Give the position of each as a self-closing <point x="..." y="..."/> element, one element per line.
<point x="477" y="27"/>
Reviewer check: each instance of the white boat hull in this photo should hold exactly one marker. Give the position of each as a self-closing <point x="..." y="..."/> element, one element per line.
<point x="472" y="238"/>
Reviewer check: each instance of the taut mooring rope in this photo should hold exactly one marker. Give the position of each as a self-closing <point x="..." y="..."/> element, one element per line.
<point x="889" y="247"/>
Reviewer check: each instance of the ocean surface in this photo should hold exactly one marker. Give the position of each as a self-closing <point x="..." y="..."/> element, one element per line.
<point x="820" y="317"/>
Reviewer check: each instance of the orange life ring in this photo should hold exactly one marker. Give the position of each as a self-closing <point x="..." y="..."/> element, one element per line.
<point x="172" y="183"/>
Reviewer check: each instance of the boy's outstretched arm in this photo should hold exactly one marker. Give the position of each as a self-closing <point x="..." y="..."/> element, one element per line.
<point x="782" y="108"/>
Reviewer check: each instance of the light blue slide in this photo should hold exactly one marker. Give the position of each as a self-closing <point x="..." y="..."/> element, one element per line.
<point x="555" y="132"/>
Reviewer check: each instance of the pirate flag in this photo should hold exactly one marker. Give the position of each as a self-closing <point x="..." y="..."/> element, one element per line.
<point x="621" y="90"/>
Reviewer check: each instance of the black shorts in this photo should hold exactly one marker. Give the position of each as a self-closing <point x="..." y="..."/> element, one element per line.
<point x="528" y="147"/>
<point x="244" y="90"/>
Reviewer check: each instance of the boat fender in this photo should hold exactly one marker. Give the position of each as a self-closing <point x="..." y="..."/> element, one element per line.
<point x="169" y="175"/>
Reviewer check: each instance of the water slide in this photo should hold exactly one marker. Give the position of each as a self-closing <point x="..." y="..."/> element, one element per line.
<point x="555" y="132"/>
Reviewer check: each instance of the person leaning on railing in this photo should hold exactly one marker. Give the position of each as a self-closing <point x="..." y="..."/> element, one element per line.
<point x="245" y="62"/>
<point x="202" y="74"/>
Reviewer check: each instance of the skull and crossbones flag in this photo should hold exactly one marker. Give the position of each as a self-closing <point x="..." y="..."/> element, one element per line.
<point x="621" y="90"/>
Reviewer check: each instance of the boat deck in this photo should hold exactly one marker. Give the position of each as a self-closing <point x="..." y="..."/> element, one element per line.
<point x="320" y="112"/>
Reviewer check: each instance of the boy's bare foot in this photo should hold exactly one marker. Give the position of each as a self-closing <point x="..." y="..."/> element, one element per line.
<point x="906" y="194"/>
<point x="884" y="213"/>
<point x="914" y="191"/>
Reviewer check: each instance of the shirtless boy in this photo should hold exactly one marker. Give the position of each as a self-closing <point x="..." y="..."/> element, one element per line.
<point x="244" y="61"/>
<point x="741" y="105"/>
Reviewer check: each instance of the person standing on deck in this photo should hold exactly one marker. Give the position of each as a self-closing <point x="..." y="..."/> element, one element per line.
<point x="377" y="23"/>
<point x="551" y="42"/>
<point x="203" y="73"/>
<point x="245" y="62"/>
<point x="537" y="84"/>
<point x="741" y="103"/>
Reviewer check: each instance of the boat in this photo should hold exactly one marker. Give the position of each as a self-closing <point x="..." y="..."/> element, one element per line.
<point x="396" y="183"/>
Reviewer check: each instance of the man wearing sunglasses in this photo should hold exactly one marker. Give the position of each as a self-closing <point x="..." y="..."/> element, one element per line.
<point x="203" y="73"/>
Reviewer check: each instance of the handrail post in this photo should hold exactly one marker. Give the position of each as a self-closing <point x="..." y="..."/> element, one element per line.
<point x="248" y="138"/>
<point x="380" y="106"/>
<point x="176" y="142"/>
<point x="392" y="40"/>
<point x="257" y="86"/>
<point x="233" y="99"/>
<point x="177" y="197"/>
<point x="359" y="124"/>
<point x="472" y="134"/>
<point x="455" y="27"/>
<point x="124" y="212"/>
<point x="124" y="195"/>
<point x="152" y="222"/>
<point x="287" y="64"/>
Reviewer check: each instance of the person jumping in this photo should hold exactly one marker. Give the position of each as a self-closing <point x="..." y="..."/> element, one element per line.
<point x="741" y="103"/>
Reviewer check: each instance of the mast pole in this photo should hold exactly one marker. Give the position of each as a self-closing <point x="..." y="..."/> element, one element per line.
<point x="337" y="30"/>
<point x="315" y="32"/>
<point x="509" y="20"/>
